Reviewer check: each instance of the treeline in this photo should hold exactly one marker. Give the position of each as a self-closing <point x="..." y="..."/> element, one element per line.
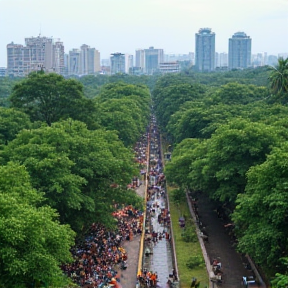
<point x="230" y="141"/>
<point x="92" y="83"/>
<point x="66" y="152"/>
<point x="65" y="161"/>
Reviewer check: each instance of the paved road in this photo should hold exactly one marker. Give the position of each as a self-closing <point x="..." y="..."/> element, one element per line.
<point x="161" y="259"/>
<point x="128" y="276"/>
<point x="220" y="245"/>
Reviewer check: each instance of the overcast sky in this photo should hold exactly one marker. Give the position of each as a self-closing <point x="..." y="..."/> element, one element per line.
<point x="126" y="25"/>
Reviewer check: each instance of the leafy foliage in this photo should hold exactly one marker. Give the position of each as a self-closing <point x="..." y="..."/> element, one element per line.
<point x="11" y="122"/>
<point x="74" y="167"/>
<point x="265" y="235"/>
<point x="189" y="235"/>
<point x="125" y="109"/>
<point x="279" y="78"/>
<point x="33" y="243"/>
<point x="195" y="261"/>
<point x="50" y="98"/>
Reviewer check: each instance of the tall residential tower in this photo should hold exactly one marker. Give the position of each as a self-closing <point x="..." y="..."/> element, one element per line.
<point x="153" y="58"/>
<point x="117" y="61"/>
<point x="39" y="53"/>
<point x="205" y="50"/>
<point x="239" y="51"/>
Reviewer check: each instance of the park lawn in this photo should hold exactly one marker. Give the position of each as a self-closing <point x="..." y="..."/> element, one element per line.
<point x="184" y="250"/>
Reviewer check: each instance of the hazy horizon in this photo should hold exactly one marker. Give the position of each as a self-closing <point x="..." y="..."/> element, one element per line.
<point x="126" y="25"/>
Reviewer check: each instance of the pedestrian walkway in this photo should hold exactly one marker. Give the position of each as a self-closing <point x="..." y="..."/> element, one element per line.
<point x="160" y="260"/>
<point x="128" y="276"/>
<point x="158" y="253"/>
<point x="220" y="245"/>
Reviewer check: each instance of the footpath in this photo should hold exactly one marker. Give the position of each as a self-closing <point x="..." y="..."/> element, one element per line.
<point x="128" y="276"/>
<point x="221" y="246"/>
<point x="157" y="240"/>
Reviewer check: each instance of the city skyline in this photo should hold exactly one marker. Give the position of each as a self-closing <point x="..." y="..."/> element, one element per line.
<point x="127" y="25"/>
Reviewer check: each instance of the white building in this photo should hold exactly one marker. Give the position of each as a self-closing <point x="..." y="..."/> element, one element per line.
<point x="39" y="53"/>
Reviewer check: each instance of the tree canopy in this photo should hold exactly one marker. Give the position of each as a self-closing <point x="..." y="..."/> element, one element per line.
<point x="50" y="98"/>
<point x="279" y="80"/>
<point x="33" y="243"/>
<point x="230" y="143"/>
<point x="265" y="204"/>
<point x="11" y="122"/>
<point x="74" y="168"/>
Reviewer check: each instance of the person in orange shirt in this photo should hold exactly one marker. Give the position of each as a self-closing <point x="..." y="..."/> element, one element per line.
<point x="153" y="280"/>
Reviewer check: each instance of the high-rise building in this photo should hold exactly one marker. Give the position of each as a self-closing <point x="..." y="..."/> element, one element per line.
<point x="15" y="65"/>
<point x="3" y="71"/>
<point x="272" y="60"/>
<point x="117" y="61"/>
<point x="74" y="62"/>
<point x="152" y="59"/>
<point x="58" y="58"/>
<point x="89" y="60"/>
<point x="39" y="53"/>
<point x="221" y="59"/>
<point x="84" y="61"/>
<point x="205" y="50"/>
<point x="93" y="61"/>
<point x="239" y="51"/>
<point x="129" y="59"/>
<point x="66" y="64"/>
<point x="139" y="58"/>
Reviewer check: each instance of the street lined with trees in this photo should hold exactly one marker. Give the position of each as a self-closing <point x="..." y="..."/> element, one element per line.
<point x="66" y="158"/>
<point x="64" y="165"/>
<point x="231" y="145"/>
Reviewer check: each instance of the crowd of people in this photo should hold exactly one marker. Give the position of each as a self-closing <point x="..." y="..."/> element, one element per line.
<point x="147" y="278"/>
<point x="101" y="255"/>
<point x="158" y="215"/>
<point x="98" y="258"/>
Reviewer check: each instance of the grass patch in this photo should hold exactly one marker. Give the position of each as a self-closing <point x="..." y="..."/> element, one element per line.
<point x="187" y="249"/>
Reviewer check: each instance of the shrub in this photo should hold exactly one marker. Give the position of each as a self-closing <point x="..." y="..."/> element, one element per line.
<point x="178" y="196"/>
<point x="195" y="261"/>
<point x="189" y="235"/>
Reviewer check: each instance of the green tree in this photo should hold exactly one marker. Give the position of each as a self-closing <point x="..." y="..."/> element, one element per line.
<point x="177" y="171"/>
<point x="261" y="214"/>
<point x="74" y="167"/>
<point x="33" y="243"/>
<point x="50" y="98"/>
<point x="281" y="279"/>
<point x="124" y="108"/>
<point x="232" y="150"/>
<point x="279" y="77"/>
<point x="123" y="116"/>
<point x="169" y="99"/>
<point x="6" y="85"/>
<point x="235" y="93"/>
<point x="11" y="122"/>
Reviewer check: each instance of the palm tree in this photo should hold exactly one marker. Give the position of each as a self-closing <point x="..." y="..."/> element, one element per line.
<point x="279" y="77"/>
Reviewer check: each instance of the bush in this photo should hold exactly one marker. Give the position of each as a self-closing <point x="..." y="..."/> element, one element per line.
<point x="189" y="235"/>
<point x="195" y="261"/>
<point x="178" y="196"/>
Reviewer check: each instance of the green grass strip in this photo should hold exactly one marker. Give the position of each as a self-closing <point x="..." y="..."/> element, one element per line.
<point x="186" y="250"/>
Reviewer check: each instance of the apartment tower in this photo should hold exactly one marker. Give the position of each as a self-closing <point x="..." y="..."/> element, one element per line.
<point x="239" y="51"/>
<point x="117" y="61"/>
<point x="39" y="53"/>
<point x="205" y="50"/>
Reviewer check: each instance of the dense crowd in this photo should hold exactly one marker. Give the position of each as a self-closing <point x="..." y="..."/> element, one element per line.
<point x="98" y="258"/>
<point x="100" y="255"/>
